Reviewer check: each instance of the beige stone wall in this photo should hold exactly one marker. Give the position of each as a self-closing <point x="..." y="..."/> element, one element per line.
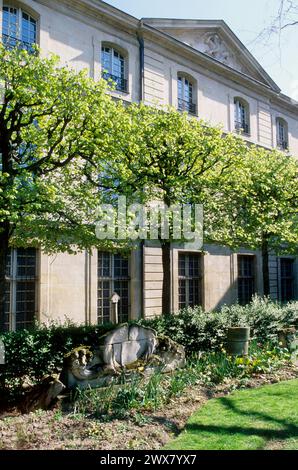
<point x="68" y="283"/>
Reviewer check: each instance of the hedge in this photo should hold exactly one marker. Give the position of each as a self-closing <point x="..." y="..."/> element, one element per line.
<point x="33" y="354"/>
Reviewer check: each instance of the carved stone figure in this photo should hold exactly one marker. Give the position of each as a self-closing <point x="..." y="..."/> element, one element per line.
<point x="216" y="48"/>
<point x="127" y="348"/>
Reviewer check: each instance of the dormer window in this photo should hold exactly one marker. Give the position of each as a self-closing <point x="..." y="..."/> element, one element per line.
<point x="113" y="65"/>
<point x="186" y="95"/>
<point x="282" y="139"/>
<point x="19" y="29"/>
<point x="241" y="116"/>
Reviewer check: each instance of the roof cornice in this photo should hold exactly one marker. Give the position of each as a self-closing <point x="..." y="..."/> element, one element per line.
<point x="219" y="67"/>
<point x="167" y="23"/>
<point x="111" y="15"/>
<point x="99" y="8"/>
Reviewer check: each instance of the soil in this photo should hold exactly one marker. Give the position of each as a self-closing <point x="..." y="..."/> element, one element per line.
<point x="61" y="430"/>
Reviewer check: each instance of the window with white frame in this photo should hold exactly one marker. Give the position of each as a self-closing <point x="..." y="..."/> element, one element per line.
<point x="186" y="95"/>
<point x="190" y="279"/>
<point x="282" y="139"/>
<point x="113" y="276"/>
<point x="21" y="277"/>
<point x="113" y="65"/>
<point x="241" y="116"/>
<point x="19" y="29"/>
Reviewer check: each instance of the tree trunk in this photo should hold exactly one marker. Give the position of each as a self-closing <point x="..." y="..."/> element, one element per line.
<point x="265" y="258"/>
<point x="166" y="285"/>
<point x="4" y="250"/>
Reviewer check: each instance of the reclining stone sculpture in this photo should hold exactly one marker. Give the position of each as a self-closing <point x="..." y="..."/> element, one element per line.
<point x="125" y="349"/>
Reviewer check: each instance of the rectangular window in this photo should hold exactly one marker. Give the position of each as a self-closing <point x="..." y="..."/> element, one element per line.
<point x="21" y="276"/>
<point x="113" y="276"/>
<point x="287" y="279"/>
<point x="246" y="278"/>
<point x="190" y="280"/>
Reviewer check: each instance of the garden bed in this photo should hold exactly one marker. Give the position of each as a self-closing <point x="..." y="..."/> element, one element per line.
<point x="58" y="429"/>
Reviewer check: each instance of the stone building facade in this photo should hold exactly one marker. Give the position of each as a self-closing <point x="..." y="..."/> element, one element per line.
<point x="195" y="65"/>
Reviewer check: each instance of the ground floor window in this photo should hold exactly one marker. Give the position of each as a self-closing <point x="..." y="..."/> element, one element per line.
<point x="287" y="279"/>
<point x="21" y="276"/>
<point x="113" y="276"/>
<point x="246" y="278"/>
<point x="190" y="280"/>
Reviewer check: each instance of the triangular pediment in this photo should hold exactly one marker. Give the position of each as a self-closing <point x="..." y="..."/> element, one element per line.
<point x="216" y="40"/>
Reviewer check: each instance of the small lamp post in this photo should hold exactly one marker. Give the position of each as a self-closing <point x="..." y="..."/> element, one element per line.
<point x="114" y="307"/>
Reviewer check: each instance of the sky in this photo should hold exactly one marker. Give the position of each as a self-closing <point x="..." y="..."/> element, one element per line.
<point x="246" y="18"/>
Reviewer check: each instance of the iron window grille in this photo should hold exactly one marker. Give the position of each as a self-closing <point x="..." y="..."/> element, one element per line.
<point x="113" y="276"/>
<point x="190" y="279"/>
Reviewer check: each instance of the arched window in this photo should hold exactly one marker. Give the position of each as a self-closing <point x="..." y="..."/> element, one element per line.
<point x="114" y="67"/>
<point x="19" y="29"/>
<point x="282" y="139"/>
<point x="241" y="115"/>
<point x="186" y="94"/>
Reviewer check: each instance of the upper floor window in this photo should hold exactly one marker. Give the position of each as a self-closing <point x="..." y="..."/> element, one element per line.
<point x="282" y="140"/>
<point x="114" y="67"/>
<point x="241" y="115"/>
<point x="186" y="95"/>
<point x="19" y="29"/>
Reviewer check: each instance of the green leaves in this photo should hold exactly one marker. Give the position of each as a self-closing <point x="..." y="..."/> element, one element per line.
<point x="55" y="124"/>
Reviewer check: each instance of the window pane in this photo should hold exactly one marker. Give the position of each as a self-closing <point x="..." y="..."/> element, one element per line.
<point x="7" y="307"/>
<point x="28" y="29"/>
<point x="189" y="274"/>
<point x="25" y="304"/>
<point x="20" y="305"/>
<point x="122" y="289"/>
<point x="182" y="293"/>
<point x="10" y="26"/>
<point x="246" y="281"/>
<point x="104" y="267"/>
<point x="26" y="263"/>
<point x="118" y="65"/>
<point x="287" y="279"/>
<point x="106" y="59"/>
<point x="113" y="276"/>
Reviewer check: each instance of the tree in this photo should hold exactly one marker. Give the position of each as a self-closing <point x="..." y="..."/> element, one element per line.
<point x="168" y="156"/>
<point x="258" y="206"/>
<point x="54" y="123"/>
<point x="285" y="19"/>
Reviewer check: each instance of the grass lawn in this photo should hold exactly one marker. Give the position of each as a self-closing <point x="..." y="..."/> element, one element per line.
<point x="262" y="418"/>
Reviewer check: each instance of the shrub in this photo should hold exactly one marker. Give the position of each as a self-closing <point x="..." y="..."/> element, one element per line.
<point x="32" y="354"/>
<point x="197" y="330"/>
